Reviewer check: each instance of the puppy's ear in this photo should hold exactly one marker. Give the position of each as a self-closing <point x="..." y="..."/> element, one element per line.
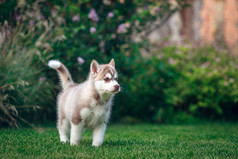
<point x="94" y="67"/>
<point x="112" y="63"/>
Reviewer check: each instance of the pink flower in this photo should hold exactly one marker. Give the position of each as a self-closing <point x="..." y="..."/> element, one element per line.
<point x="156" y="9"/>
<point x="42" y="17"/>
<point x="53" y="12"/>
<point x="166" y="43"/>
<point x="31" y="23"/>
<point x="42" y="79"/>
<point x="92" y="30"/>
<point x="159" y="56"/>
<point x="75" y="18"/>
<point x="80" y="60"/>
<point x="17" y="17"/>
<point x="121" y="28"/>
<point x="114" y="36"/>
<point x="225" y="83"/>
<point x="217" y="59"/>
<point x="179" y="42"/>
<point x="205" y="64"/>
<point x="232" y="80"/>
<point x="110" y="15"/>
<point x="93" y="15"/>
<point x="171" y="61"/>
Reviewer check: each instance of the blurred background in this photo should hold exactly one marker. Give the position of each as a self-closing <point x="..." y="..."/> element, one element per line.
<point x="177" y="59"/>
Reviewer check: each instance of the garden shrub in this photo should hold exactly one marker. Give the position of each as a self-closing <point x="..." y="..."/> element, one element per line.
<point x="25" y="92"/>
<point x="74" y="32"/>
<point x="207" y="86"/>
<point x="174" y="85"/>
<point x="180" y="85"/>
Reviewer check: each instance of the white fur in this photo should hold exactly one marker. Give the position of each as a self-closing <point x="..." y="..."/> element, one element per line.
<point x="90" y="118"/>
<point x="98" y="115"/>
<point x="109" y="75"/>
<point x="80" y="100"/>
<point x="111" y="70"/>
<point x="64" y="131"/>
<point x="76" y="133"/>
<point x="71" y="104"/>
<point x="99" y="85"/>
<point x="98" y="135"/>
<point x="54" y="64"/>
<point x="85" y="112"/>
<point x="103" y="86"/>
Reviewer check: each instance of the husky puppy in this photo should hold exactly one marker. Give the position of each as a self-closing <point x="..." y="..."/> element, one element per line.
<point x="85" y="105"/>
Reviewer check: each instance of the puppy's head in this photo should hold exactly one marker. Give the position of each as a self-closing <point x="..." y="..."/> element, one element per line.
<point x="105" y="77"/>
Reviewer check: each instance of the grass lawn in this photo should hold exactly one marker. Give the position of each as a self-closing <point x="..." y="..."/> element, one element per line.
<point x="127" y="141"/>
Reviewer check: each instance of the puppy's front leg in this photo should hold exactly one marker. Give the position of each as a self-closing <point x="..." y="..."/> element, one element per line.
<point x="76" y="133"/>
<point x="98" y="134"/>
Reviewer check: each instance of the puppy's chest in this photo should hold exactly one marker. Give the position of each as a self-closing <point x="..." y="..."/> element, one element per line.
<point x="98" y="115"/>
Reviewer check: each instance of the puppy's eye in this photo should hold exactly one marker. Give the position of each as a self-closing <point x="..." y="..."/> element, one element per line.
<point x="116" y="79"/>
<point x="106" y="79"/>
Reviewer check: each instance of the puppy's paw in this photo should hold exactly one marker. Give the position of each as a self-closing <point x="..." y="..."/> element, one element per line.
<point x="64" y="140"/>
<point x="74" y="143"/>
<point x="96" y="144"/>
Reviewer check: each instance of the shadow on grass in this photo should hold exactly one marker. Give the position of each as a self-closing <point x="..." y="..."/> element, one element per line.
<point x="125" y="142"/>
<point x="117" y="143"/>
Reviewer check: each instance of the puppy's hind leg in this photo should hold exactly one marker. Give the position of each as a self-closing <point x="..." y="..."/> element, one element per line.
<point x="63" y="128"/>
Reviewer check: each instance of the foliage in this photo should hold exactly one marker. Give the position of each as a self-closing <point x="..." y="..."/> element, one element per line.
<point x="179" y="84"/>
<point x="101" y="29"/>
<point x="71" y="31"/>
<point x="173" y="85"/>
<point x="22" y="77"/>
<point x="206" y="86"/>
<point x="124" y="141"/>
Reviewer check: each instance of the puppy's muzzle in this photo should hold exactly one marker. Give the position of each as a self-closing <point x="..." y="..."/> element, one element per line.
<point x="117" y="88"/>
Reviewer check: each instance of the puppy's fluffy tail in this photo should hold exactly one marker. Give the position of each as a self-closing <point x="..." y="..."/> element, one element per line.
<point x="63" y="72"/>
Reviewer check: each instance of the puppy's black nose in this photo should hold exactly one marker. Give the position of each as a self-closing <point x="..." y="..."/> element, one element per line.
<point x="116" y="87"/>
